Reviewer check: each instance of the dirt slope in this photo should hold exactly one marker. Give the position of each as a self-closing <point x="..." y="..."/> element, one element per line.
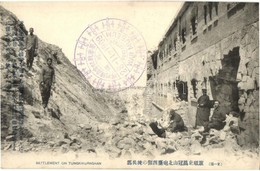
<point x="74" y="104"/>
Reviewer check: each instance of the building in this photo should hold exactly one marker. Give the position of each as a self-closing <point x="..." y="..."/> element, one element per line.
<point x="212" y="45"/>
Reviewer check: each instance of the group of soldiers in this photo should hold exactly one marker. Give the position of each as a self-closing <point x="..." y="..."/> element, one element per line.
<point x="176" y="124"/>
<point x="47" y="76"/>
<point x="203" y="114"/>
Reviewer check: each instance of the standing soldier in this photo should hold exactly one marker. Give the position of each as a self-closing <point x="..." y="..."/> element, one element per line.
<point x="203" y="110"/>
<point x="47" y="80"/>
<point x="31" y="43"/>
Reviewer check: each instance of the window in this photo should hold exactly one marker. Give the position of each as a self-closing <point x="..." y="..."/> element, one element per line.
<point x="194" y="87"/>
<point x="205" y="13"/>
<point x="216" y="7"/>
<point x="175" y="41"/>
<point x="210" y="10"/>
<point x="166" y="50"/>
<point x="194" y="16"/>
<point x="161" y="55"/>
<point x="194" y="25"/>
<point x="183" y="35"/>
<point x="170" y="46"/>
<point x="183" y="31"/>
<point x="170" y="49"/>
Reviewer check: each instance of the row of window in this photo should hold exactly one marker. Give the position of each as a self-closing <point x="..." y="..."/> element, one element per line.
<point x="208" y="11"/>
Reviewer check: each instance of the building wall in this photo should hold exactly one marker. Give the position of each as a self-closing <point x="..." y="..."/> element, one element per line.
<point x="208" y="55"/>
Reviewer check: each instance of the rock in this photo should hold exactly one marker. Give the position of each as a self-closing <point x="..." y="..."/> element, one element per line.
<point x="196" y="148"/>
<point x="8" y="146"/>
<point x="147" y="146"/>
<point x="126" y="143"/>
<point x="160" y="143"/>
<point x="196" y="136"/>
<point x="51" y="143"/>
<point x="115" y="122"/>
<point x="126" y="154"/>
<point x="91" y="150"/>
<point x="179" y="135"/>
<point x="185" y="142"/>
<point x="149" y="130"/>
<point x="64" y="141"/>
<point x="66" y="136"/>
<point x="76" y="141"/>
<point x="81" y="126"/>
<point x="124" y="111"/>
<point x="222" y="135"/>
<point x="148" y="154"/>
<point x="169" y="149"/>
<point x="148" y="138"/>
<point x="114" y="152"/>
<point x="172" y="135"/>
<point x="64" y="148"/>
<point x="10" y="138"/>
<point x="75" y="147"/>
<point x="36" y="114"/>
<point x="137" y="136"/>
<point x="34" y="140"/>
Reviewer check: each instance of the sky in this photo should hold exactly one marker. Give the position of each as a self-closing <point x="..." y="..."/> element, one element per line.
<point x="61" y="23"/>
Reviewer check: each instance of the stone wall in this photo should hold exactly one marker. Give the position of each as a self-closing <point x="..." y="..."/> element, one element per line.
<point x="226" y="60"/>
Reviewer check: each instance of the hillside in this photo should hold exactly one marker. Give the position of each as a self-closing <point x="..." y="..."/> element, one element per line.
<point x="74" y="105"/>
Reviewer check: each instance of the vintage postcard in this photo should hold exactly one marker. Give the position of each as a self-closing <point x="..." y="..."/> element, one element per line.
<point x="130" y="85"/>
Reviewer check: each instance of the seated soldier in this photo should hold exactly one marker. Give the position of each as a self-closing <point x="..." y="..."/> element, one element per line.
<point x="176" y="123"/>
<point x="173" y="123"/>
<point x="217" y="119"/>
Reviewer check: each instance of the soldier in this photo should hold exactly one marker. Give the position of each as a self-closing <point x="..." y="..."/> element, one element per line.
<point x="173" y="123"/>
<point x="203" y="110"/>
<point x="217" y="119"/>
<point x="31" y="44"/>
<point x="176" y="123"/>
<point x="47" y="80"/>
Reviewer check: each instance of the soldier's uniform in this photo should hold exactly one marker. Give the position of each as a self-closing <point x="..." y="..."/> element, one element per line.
<point x="47" y="78"/>
<point x="203" y="111"/>
<point x="176" y="123"/>
<point x="217" y="120"/>
<point x="31" y="44"/>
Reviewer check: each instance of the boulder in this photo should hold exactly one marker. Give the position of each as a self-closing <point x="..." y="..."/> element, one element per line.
<point x="64" y="148"/>
<point x="126" y="154"/>
<point x="34" y="140"/>
<point x="75" y="147"/>
<point x="222" y="135"/>
<point x="126" y="143"/>
<point x="7" y="147"/>
<point x="36" y="114"/>
<point x="64" y="141"/>
<point x="196" y="148"/>
<point x="10" y="138"/>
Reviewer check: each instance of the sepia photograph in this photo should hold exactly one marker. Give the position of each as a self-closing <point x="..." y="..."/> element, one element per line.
<point x="130" y="85"/>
